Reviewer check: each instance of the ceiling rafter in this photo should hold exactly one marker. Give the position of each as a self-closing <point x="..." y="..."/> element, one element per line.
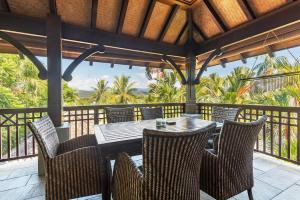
<point x="148" y="14"/>
<point x="122" y="15"/>
<point x="5" y="5"/>
<point x="181" y="33"/>
<point x="189" y="16"/>
<point x="283" y="16"/>
<point x="169" y="21"/>
<point x="199" y="31"/>
<point x="94" y="13"/>
<point x="215" y="15"/>
<point x="52" y="6"/>
<point x="247" y="9"/>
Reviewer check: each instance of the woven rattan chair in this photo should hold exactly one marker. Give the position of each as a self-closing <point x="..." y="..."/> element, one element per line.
<point x="151" y="113"/>
<point x="72" y="167"/>
<point x="115" y="115"/>
<point x="220" y="114"/>
<point x="171" y="167"/>
<point x="230" y="172"/>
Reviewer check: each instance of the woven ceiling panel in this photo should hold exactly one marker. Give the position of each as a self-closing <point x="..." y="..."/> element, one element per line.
<point x="230" y="12"/>
<point x="33" y="8"/>
<point x="76" y="12"/>
<point x="135" y="14"/>
<point x="108" y="14"/>
<point x="176" y="25"/>
<point x="184" y="37"/>
<point x="197" y="37"/>
<point x="261" y="7"/>
<point x="158" y="19"/>
<point x="205" y="21"/>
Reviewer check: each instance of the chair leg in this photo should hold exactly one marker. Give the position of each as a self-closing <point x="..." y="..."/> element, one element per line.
<point x="250" y="194"/>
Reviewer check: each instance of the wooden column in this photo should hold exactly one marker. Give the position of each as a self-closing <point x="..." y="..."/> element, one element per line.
<point x="54" y="56"/>
<point x="190" y="106"/>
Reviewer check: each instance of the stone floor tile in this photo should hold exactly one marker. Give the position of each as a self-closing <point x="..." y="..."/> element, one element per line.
<point x="292" y="193"/>
<point x="261" y="191"/>
<point x="279" y="178"/>
<point x="23" y="172"/>
<point x="35" y="190"/>
<point x="14" y="183"/>
<point x="264" y="165"/>
<point x="257" y="172"/>
<point x="13" y="194"/>
<point x="35" y="179"/>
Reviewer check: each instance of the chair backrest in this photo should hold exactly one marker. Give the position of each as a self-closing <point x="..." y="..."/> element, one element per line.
<point x="172" y="162"/>
<point x="237" y="140"/>
<point x="46" y="136"/>
<point x="119" y="114"/>
<point x="220" y="114"/>
<point x="151" y="113"/>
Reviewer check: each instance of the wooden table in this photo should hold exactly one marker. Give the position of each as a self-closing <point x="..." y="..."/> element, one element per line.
<point x="127" y="137"/>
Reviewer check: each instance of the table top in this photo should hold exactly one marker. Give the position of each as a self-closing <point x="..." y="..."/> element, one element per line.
<point x="124" y="131"/>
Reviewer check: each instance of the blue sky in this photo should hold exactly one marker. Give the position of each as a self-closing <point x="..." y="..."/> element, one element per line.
<point x="85" y="76"/>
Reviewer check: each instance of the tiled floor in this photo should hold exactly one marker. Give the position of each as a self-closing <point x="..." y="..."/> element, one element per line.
<point x="274" y="179"/>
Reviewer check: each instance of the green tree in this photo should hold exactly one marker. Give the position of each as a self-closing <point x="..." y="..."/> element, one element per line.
<point x="165" y="90"/>
<point x="100" y="91"/>
<point x="123" y="90"/>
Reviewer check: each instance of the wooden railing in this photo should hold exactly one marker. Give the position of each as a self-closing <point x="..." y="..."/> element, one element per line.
<point x="16" y="140"/>
<point x="280" y="137"/>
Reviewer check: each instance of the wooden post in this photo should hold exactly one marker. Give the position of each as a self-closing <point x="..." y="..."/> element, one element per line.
<point x="54" y="56"/>
<point x="191" y="106"/>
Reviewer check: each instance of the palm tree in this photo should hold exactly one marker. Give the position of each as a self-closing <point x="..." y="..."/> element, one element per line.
<point x="100" y="91"/>
<point x="164" y="90"/>
<point x="123" y="90"/>
<point x="236" y="90"/>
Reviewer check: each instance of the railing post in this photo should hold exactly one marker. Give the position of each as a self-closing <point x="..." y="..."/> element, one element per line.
<point x="54" y="56"/>
<point x="96" y="115"/>
<point x="191" y="106"/>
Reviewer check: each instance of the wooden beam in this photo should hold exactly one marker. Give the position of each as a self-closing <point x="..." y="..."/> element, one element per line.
<point x="4" y="6"/>
<point x="181" y="33"/>
<point x="244" y="4"/>
<point x="94" y="14"/>
<point x="168" y="22"/>
<point x="35" y="26"/>
<point x="52" y="6"/>
<point x="147" y="17"/>
<point x="215" y="15"/>
<point x="54" y="58"/>
<point x="243" y="58"/>
<point x="199" y="31"/>
<point x="189" y="17"/>
<point x="122" y="15"/>
<point x="281" y="17"/>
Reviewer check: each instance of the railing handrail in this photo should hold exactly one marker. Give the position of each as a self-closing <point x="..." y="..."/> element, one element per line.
<point x="66" y="108"/>
<point x="254" y="106"/>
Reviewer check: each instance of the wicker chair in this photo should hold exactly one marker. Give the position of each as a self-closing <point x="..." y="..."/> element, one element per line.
<point x="171" y="167"/>
<point x="220" y="114"/>
<point x="151" y="113"/>
<point x="73" y="168"/>
<point x="115" y="115"/>
<point x="230" y="172"/>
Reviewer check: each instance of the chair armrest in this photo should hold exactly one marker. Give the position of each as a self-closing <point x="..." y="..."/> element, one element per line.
<point x="127" y="180"/>
<point x="80" y="168"/>
<point x="76" y="143"/>
<point x="216" y="138"/>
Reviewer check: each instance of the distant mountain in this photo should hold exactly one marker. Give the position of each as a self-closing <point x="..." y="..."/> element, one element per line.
<point x="84" y="93"/>
<point x="88" y="93"/>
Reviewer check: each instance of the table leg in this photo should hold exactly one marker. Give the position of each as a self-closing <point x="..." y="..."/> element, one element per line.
<point x="106" y="188"/>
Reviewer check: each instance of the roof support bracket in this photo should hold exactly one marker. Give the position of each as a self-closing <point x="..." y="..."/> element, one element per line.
<point x="42" y="70"/>
<point x="67" y="76"/>
<point x="215" y="53"/>
<point x="175" y="67"/>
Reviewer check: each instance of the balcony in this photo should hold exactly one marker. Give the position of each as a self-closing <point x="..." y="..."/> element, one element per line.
<point x="274" y="179"/>
<point x="276" y="160"/>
